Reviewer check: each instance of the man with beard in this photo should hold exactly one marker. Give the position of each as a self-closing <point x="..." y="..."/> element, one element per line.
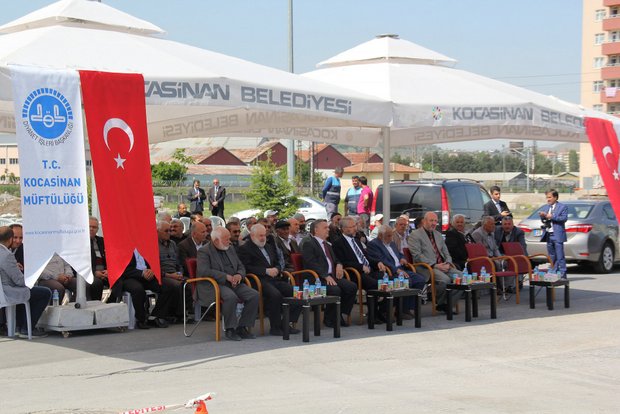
<point x="176" y="231"/>
<point x="188" y="248"/>
<point x="219" y="261"/>
<point x="260" y="258"/>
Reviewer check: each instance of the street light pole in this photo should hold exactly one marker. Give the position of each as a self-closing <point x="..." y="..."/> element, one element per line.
<point x="290" y="151"/>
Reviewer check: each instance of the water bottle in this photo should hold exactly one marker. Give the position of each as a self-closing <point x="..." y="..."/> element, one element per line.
<point x="55" y="298"/>
<point x="306" y="289"/>
<point x="317" y="287"/>
<point x="401" y="281"/>
<point x="386" y="279"/>
<point x="238" y="310"/>
<point x="483" y="272"/>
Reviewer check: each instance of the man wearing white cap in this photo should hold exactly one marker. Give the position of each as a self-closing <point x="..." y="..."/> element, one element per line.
<point x="272" y="216"/>
<point x="376" y="221"/>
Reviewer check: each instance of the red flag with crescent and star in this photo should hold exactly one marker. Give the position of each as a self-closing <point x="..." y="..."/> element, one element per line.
<point x="606" y="150"/>
<point x="115" y="110"/>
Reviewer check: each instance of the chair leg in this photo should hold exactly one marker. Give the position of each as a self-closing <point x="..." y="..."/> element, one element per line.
<point x="360" y="298"/>
<point x="10" y="320"/>
<point x="28" y="320"/>
<point x="130" y="310"/>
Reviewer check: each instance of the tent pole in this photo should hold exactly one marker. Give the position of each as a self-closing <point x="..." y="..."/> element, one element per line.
<point x="385" y="133"/>
<point x="290" y="152"/>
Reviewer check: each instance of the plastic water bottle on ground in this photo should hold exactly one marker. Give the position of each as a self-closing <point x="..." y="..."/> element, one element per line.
<point x="55" y="298"/>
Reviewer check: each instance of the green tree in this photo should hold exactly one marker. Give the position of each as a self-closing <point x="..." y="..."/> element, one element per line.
<point x="173" y="170"/>
<point x="168" y="171"/>
<point x="271" y="190"/>
<point x="573" y="161"/>
<point x="303" y="176"/>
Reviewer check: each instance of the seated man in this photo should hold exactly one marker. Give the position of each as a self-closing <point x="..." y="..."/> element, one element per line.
<point x="137" y="278"/>
<point x="188" y="248"/>
<point x="456" y="239"/>
<point x="58" y="275"/>
<point x="97" y="257"/>
<point x="235" y="231"/>
<point x="182" y="211"/>
<point x="219" y="261"/>
<point x="383" y="250"/>
<point x="427" y="246"/>
<point x="299" y="231"/>
<point x="249" y="222"/>
<point x="176" y="231"/>
<point x="319" y="256"/>
<point x="485" y="235"/>
<point x="351" y="253"/>
<point x="17" y="247"/>
<point x="16" y="290"/>
<point x="285" y="241"/>
<point x="376" y="221"/>
<point x="261" y="258"/>
<point x="401" y="232"/>
<point x="508" y="232"/>
<point x="334" y="227"/>
<point x="171" y="271"/>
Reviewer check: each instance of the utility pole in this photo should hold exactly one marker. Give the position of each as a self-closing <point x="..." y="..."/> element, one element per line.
<point x="290" y="151"/>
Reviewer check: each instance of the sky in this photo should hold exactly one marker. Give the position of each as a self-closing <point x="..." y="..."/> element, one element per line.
<point x="531" y="43"/>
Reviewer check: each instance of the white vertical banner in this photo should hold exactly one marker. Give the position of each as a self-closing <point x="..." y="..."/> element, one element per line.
<point x="48" y="120"/>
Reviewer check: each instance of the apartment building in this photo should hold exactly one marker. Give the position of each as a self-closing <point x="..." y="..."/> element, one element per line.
<point x="600" y="70"/>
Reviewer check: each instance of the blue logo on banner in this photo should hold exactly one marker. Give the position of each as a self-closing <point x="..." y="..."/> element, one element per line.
<point x="48" y="113"/>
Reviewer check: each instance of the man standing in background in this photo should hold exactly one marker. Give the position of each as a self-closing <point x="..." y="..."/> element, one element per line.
<point x="331" y="192"/>
<point x="196" y="196"/>
<point x="217" y="194"/>
<point x="365" y="203"/>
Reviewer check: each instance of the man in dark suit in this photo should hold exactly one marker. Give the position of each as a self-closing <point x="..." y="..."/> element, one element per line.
<point x="261" y="258"/>
<point x="188" y="248"/>
<point x="384" y="251"/>
<point x="319" y="256"/>
<point x="137" y="279"/>
<point x="286" y="243"/>
<point x="196" y="197"/>
<point x="351" y="253"/>
<point x="554" y="219"/>
<point x="495" y="207"/>
<point x="509" y="233"/>
<point x="456" y="239"/>
<point x="217" y="194"/>
<point x="217" y="260"/>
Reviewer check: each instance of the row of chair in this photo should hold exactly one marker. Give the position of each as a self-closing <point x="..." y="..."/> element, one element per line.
<point x="517" y="264"/>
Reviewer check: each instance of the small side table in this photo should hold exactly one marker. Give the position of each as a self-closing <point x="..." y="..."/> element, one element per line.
<point x="371" y="296"/>
<point x="314" y="303"/>
<point x="471" y="299"/>
<point x="549" y="286"/>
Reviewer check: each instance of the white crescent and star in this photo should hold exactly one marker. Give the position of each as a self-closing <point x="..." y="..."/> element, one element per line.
<point x="122" y="125"/>
<point x="606" y="151"/>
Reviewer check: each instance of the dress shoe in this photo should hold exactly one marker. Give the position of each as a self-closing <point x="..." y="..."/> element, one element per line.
<point x="293" y="331"/>
<point x="407" y="315"/>
<point x="36" y="334"/>
<point x="328" y="323"/>
<point x="142" y="325"/>
<point x="344" y="323"/>
<point x="232" y="335"/>
<point x="158" y="323"/>
<point x="442" y="308"/>
<point x="379" y="320"/>
<point x="244" y="333"/>
<point x="276" y="332"/>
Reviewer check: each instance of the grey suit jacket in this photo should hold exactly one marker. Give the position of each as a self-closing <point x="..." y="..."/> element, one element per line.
<point x="209" y="264"/>
<point x="422" y="250"/>
<point x="13" y="285"/>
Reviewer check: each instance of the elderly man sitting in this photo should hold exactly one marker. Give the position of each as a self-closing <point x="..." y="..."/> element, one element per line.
<point x="456" y="239"/>
<point x="383" y="250"/>
<point x="219" y="261"/>
<point x="485" y="235"/>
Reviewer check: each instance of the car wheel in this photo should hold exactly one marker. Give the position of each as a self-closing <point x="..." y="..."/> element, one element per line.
<point x="606" y="259"/>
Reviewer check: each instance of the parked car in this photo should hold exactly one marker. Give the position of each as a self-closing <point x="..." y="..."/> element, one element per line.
<point x="311" y="208"/>
<point x="445" y="198"/>
<point x="591" y="230"/>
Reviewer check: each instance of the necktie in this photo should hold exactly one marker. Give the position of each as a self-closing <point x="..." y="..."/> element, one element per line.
<point x="329" y="256"/>
<point x="438" y="256"/>
<point x="359" y="254"/>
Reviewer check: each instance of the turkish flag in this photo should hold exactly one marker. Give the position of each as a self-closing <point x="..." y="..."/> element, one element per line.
<point x="115" y="111"/>
<point x="606" y="151"/>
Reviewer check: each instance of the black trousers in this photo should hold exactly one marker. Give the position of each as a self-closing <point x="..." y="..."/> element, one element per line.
<point x="165" y="297"/>
<point x="273" y="292"/>
<point x="346" y="290"/>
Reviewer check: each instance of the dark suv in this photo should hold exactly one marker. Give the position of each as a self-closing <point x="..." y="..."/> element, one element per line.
<point x="445" y="198"/>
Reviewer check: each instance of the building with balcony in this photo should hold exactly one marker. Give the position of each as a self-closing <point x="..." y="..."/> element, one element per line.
<point x="600" y="71"/>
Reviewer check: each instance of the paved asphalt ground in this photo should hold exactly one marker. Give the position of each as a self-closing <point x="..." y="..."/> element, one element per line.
<point x="526" y="361"/>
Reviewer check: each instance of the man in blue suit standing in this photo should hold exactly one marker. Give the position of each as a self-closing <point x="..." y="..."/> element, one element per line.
<point x="554" y="218"/>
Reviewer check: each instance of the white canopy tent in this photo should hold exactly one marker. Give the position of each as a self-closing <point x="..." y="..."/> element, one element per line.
<point x="189" y="91"/>
<point x="433" y="103"/>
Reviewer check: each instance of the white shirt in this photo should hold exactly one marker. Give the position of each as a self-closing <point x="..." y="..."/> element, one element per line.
<point x="330" y="267"/>
<point x="394" y="256"/>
